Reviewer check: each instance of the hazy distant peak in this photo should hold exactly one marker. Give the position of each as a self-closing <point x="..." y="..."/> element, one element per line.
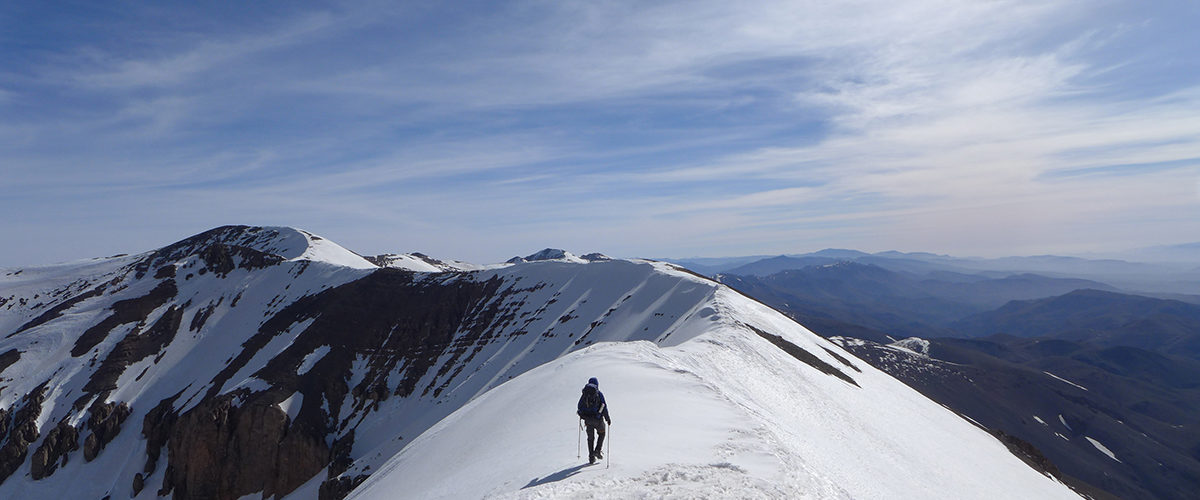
<point x="840" y="253"/>
<point x="556" y="254"/>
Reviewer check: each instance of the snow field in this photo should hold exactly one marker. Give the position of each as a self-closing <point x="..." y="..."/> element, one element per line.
<point x="725" y="414"/>
<point x="520" y="439"/>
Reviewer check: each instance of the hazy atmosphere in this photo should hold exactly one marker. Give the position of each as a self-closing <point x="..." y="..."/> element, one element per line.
<point x="483" y="130"/>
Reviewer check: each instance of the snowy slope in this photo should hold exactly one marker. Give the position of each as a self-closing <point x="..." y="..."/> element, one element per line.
<point x="214" y="313"/>
<point x="270" y="361"/>
<point x="425" y="264"/>
<point x="724" y="414"/>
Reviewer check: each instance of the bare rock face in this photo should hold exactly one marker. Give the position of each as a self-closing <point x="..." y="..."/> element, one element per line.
<point x="105" y="422"/>
<point x="123" y="312"/>
<point x="59" y="442"/>
<point x="18" y="429"/>
<point x="1028" y="453"/>
<point x="222" y="451"/>
<point x="338" y="488"/>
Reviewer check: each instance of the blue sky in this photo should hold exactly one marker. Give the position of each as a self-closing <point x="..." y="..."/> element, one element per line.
<point x="482" y="130"/>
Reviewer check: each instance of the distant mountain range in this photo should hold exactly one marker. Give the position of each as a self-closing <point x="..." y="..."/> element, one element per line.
<point x="1103" y="382"/>
<point x="1098" y="317"/>
<point x="1159" y="278"/>
<point x="903" y="303"/>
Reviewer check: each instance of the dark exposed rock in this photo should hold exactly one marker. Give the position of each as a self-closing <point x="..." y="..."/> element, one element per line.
<point x="219" y="249"/>
<point x="139" y="483"/>
<point x="134" y="347"/>
<point x="1028" y="453"/>
<point x="844" y="361"/>
<point x="340" y="454"/>
<point x="338" y="488"/>
<point x="59" y="442"/>
<point x="547" y="254"/>
<point x="8" y="358"/>
<point x="221" y="259"/>
<point x="156" y="428"/>
<point x="163" y="272"/>
<point x="105" y="421"/>
<point x="18" y="429"/>
<point x="806" y="357"/>
<point x="222" y="451"/>
<point x="123" y="312"/>
<point x="392" y="317"/>
<point x="202" y="314"/>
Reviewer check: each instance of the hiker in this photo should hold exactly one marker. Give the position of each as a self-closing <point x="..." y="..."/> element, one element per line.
<point x="592" y="409"/>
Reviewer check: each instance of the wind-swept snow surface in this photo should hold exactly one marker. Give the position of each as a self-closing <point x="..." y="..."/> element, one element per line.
<point x="726" y="414"/>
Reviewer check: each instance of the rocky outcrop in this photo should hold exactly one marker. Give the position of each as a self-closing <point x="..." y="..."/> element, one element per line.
<point x="221" y="249"/>
<point x="222" y="451"/>
<point x="221" y="259"/>
<point x="8" y="358"/>
<point x="124" y="312"/>
<point x="338" y="488"/>
<point x="1028" y="453"/>
<point x="134" y="347"/>
<point x="156" y="428"/>
<point x="105" y="422"/>
<point x="54" y="450"/>
<point x="18" y="430"/>
<point x="806" y="357"/>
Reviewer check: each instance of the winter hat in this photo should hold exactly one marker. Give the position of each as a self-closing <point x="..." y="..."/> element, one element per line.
<point x="593" y="381"/>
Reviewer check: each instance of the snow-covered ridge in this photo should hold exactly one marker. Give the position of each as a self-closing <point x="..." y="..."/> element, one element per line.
<point x="422" y="263"/>
<point x="559" y="255"/>
<point x="305" y="375"/>
<point x="239" y="321"/>
<point x="727" y="412"/>
<point x="289" y="243"/>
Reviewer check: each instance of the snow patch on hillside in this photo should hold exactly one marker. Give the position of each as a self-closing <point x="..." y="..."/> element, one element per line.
<point x="1103" y="449"/>
<point x="1060" y="379"/>
<point x="407" y="262"/>
<point x="291" y="405"/>
<point x="311" y="359"/>
<point x="914" y="345"/>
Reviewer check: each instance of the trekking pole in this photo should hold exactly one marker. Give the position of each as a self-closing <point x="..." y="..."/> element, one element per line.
<point x="578" y="440"/>
<point x="608" y="459"/>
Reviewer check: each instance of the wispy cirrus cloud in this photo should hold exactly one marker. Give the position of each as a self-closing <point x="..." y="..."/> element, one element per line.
<point x="698" y="128"/>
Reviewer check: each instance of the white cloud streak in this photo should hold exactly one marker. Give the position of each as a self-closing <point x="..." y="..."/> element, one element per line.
<point x="974" y="127"/>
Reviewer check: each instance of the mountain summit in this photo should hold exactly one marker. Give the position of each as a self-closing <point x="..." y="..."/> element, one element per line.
<point x="270" y="361"/>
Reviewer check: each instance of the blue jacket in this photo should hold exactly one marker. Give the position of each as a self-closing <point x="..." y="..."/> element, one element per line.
<point x="590" y="412"/>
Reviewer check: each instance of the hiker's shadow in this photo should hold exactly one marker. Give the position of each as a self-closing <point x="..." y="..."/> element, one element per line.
<point x="557" y="476"/>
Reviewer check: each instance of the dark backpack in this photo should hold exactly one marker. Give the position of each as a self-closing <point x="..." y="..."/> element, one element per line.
<point x="589" y="404"/>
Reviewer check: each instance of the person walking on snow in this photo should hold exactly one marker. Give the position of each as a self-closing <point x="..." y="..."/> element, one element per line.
<point x="594" y="412"/>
